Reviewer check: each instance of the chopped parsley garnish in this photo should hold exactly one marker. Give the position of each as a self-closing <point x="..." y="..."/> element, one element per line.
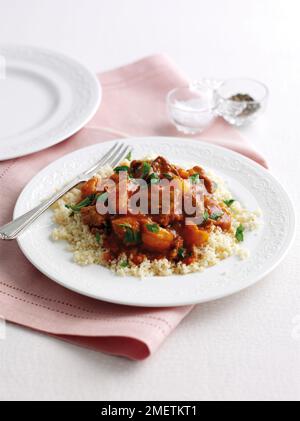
<point x="124" y="264"/>
<point x="239" y="234"/>
<point x="181" y="253"/>
<point x="205" y="216"/>
<point x="86" y="202"/>
<point x="229" y="202"/>
<point x="124" y="168"/>
<point x="168" y="176"/>
<point x="125" y="226"/>
<point x="195" y="178"/>
<point x="215" y="216"/>
<point x="129" y="156"/>
<point x="154" y="178"/>
<point x="146" y="168"/>
<point x="131" y="236"/>
<point x="98" y="237"/>
<point x="152" y="228"/>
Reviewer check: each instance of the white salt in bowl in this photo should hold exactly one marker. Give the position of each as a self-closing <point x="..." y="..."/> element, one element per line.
<point x="192" y="108"/>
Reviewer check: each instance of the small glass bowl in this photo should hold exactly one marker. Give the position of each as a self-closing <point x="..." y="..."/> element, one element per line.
<point x="192" y="108"/>
<point x="241" y="101"/>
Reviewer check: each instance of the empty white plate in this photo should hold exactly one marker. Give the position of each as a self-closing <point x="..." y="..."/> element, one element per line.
<point x="45" y="97"/>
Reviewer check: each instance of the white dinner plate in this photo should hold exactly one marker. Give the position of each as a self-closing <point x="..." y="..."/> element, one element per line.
<point x="254" y="186"/>
<point x="45" y="97"/>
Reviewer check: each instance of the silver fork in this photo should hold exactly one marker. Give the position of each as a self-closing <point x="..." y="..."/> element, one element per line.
<point x="16" y="227"/>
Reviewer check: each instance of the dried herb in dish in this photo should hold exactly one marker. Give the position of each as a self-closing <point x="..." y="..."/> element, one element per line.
<point x="250" y="108"/>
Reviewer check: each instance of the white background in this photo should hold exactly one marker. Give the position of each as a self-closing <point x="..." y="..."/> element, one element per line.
<point x="241" y="348"/>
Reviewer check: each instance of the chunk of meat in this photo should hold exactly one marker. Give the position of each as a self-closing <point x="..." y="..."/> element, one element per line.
<point x="90" y="187"/>
<point x="209" y="184"/>
<point x="91" y="217"/>
<point x="166" y="219"/>
<point x="214" y="209"/>
<point x="183" y="173"/>
<point x="165" y="204"/>
<point x="136" y="168"/>
<point x="158" y="241"/>
<point x="137" y="257"/>
<point x="161" y="166"/>
<point x="177" y="244"/>
<point x="127" y="229"/>
<point x="194" y="236"/>
<point x="224" y="222"/>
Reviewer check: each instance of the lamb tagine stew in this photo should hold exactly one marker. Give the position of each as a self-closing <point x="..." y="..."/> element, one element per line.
<point x="153" y="235"/>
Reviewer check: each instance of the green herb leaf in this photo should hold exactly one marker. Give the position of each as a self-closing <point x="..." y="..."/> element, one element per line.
<point x="124" y="168"/>
<point x="131" y="236"/>
<point x="153" y="228"/>
<point x="195" y="178"/>
<point x="124" y="264"/>
<point x="215" y="216"/>
<point x="168" y="176"/>
<point x="129" y="156"/>
<point x="137" y="236"/>
<point x="146" y="167"/>
<point x="205" y="216"/>
<point x="125" y="226"/>
<point x="239" y="234"/>
<point x="154" y="178"/>
<point x="86" y="202"/>
<point x="181" y="253"/>
<point x="98" y="237"/>
<point x="229" y="202"/>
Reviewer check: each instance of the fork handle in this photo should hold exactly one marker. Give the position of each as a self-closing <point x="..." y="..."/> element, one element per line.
<point x="14" y="228"/>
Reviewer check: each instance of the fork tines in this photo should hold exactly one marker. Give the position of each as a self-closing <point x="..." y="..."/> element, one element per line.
<point x="115" y="154"/>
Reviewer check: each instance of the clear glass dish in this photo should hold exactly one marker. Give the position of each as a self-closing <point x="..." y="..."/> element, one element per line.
<point x="241" y="101"/>
<point x="192" y="108"/>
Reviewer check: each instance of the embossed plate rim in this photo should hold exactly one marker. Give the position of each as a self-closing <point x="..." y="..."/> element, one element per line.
<point x="64" y="73"/>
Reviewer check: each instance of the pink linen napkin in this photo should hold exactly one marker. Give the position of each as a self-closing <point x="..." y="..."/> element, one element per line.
<point x="133" y="104"/>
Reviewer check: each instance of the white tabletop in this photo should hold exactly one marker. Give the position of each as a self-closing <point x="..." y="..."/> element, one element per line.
<point x="245" y="347"/>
